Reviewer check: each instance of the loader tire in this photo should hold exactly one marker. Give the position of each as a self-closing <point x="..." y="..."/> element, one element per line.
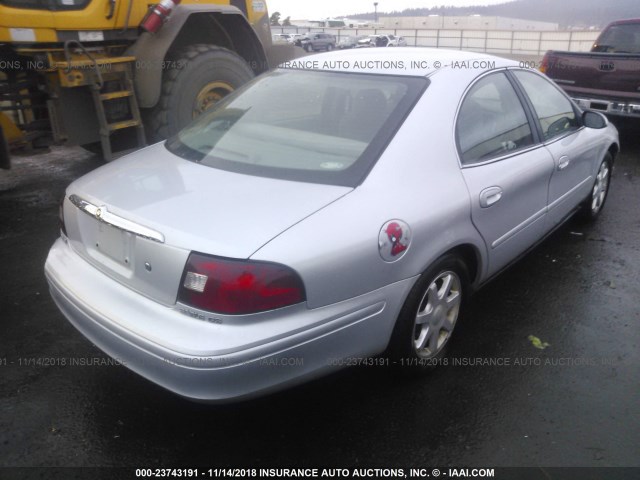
<point x="200" y="75"/>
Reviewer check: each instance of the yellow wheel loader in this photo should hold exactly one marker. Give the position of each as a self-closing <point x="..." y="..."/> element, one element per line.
<point x="116" y="74"/>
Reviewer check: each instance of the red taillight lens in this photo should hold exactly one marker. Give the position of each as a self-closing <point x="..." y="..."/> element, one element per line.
<point x="237" y="287"/>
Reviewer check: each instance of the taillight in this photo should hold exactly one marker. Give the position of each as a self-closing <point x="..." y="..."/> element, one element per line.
<point x="238" y="287"/>
<point x="544" y="65"/>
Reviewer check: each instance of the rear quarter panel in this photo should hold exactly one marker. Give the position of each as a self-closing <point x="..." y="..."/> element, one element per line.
<point x="417" y="180"/>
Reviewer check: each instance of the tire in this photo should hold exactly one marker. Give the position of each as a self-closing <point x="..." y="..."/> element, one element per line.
<point x="203" y="75"/>
<point x="329" y="47"/>
<point x="308" y="48"/>
<point x="594" y="203"/>
<point x="439" y="297"/>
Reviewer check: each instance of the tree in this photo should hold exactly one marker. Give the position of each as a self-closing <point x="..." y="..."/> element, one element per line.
<point x="286" y="22"/>
<point x="275" y="19"/>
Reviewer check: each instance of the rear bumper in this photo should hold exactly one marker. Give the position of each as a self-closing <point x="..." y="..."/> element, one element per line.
<point x="610" y="102"/>
<point x="113" y="317"/>
<point x="610" y="107"/>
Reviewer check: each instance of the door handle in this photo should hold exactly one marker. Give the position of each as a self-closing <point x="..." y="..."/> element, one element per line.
<point x="489" y="196"/>
<point x="112" y="9"/>
<point x="563" y="162"/>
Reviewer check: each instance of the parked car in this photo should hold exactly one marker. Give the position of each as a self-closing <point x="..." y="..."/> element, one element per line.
<point x="367" y="41"/>
<point x="607" y="78"/>
<point x="287" y="37"/>
<point x="318" y="41"/>
<point x="281" y="37"/>
<point x="316" y="218"/>
<point x="389" y="41"/>
<point x="394" y="41"/>
<point x="349" y="42"/>
<point x="382" y="41"/>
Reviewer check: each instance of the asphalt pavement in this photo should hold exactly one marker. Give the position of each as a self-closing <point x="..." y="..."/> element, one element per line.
<point x="500" y="401"/>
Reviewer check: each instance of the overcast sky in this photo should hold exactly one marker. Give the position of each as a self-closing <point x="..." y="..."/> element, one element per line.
<point x="306" y="9"/>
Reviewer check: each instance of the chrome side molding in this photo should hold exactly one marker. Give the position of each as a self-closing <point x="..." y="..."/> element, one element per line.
<point x="102" y="214"/>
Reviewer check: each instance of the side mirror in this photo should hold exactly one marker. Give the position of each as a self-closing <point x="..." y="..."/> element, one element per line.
<point x="593" y="119"/>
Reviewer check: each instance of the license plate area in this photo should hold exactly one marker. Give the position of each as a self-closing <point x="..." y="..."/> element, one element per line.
<point x="115" y="244"/>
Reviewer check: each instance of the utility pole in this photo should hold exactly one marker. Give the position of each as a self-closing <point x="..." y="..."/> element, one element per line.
<point x="375" y="9"/>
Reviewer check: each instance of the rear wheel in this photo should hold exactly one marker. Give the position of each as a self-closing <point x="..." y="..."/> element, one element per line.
<point x="202" y="76"/>
<point x="329" y="47"/>
<point x="430" y="314"/>
<point x="594" y="203"/>
<point x="308" y="47"/>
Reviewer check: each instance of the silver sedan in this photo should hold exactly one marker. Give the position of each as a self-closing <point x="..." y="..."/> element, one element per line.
<point x="324" y="214"/>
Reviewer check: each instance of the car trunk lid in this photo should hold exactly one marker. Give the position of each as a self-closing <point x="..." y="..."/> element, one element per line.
<point x="142" y="216"/>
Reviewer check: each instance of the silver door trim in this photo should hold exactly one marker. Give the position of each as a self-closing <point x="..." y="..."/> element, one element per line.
<point x="563" y="197"/>
<point x="519" y="228"/>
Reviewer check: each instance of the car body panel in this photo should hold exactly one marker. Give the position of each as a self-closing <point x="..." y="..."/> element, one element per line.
<point x="329" y="235"/>
<point x="517" y="219"/>
<point x="227" y="359"/>
<point x="123" y="256"/>
<point x="189" y="205"/>
<point x="574" y="156"/>
<point x="434" y="231"/>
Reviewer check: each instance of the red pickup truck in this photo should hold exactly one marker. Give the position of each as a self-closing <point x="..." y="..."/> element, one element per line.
<point x="608" y="77"/>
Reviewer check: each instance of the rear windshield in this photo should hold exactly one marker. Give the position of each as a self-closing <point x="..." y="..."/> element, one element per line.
<point x="310" y="126"/>
<point x="624" y="38"/>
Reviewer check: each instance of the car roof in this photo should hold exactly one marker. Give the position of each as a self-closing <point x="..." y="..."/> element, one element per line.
<point x="626" y="21"/>
<point x="409" y="61"/>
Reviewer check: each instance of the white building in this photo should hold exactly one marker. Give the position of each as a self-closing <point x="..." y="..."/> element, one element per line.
<point x="336" y="23"/>
<point x="471" y="22"/>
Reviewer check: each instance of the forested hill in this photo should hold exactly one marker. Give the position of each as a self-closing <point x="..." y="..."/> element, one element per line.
<point x="567" y="13"/>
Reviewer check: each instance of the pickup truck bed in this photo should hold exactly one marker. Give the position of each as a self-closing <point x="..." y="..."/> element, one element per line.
<point x="605" y="79"/>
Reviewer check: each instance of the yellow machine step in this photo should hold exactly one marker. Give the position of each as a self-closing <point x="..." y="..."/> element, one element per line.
<point x="114" y="95"/>
<point x="125" y="124"/>
<point x="124" y="91"/>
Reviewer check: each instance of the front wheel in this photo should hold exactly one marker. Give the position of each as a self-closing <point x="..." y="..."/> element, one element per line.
<point x="430" y="314"/>
<point x="594" y="203"/>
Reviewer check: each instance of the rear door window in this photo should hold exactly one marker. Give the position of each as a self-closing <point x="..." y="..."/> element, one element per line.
<point x="491" y="121"/>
